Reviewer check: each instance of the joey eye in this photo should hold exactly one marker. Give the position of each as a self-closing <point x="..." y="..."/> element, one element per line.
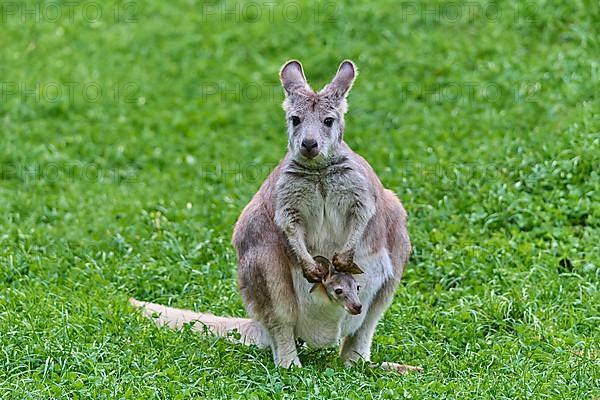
<point x="295" y="120"/>
<point x="339" y="291"/>
<point x="328" y="121"/>
<point x="358" y="288"/>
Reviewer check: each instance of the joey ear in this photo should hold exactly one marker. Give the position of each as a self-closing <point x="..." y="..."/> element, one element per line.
<point x="342" y="82"/>
<point x="322" y="261"/>
<point x="324" y="264"/>
<point x="292" y="77"/>
<point x="352" y="269"/>
<point x="355" y="269"/>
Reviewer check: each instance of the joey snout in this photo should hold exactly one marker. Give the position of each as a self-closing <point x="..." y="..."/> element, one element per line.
<point x="353" y="308"/>
<point x="351" y="300"/>
<point x="343" y="289"/>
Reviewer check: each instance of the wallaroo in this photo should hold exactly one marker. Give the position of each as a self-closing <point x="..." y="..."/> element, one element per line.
<point x="322" y="202"/>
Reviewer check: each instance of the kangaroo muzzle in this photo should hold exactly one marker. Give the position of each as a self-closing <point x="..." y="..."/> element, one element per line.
<point x="309" y="148"/>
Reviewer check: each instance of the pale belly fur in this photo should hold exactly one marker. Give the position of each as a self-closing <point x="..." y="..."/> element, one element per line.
<point x="321" y="322"/>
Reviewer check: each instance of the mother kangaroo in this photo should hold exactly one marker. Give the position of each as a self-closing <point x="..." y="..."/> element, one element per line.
<point x="321" y="200"/>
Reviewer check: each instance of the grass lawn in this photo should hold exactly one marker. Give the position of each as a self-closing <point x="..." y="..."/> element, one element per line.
<point x="133" y="134"/>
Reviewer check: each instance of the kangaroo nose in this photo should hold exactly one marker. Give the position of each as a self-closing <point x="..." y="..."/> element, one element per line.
<point x="309" y="144"/>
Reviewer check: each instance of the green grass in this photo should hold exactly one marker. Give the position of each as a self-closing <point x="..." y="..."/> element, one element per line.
<point x="137" y="196"/>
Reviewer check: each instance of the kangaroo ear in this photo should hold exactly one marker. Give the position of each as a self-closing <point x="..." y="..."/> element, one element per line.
<point x="342" y="82"/>
<point x="292" y="77"/>
<point x="352" y="269"/>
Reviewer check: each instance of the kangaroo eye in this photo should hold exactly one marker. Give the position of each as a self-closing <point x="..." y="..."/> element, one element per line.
<point x="328" y="121"/>
<point x="339" y="291"/>
<point x="295" y="120"/>
<point x="358" y="288"/>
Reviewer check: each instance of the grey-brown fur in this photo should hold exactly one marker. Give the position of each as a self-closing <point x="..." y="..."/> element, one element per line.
<point x="274" y="235"/>
<point x="322" y="199"/>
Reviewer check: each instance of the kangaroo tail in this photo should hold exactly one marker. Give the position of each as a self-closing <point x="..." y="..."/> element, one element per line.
<point x="250" y="331"/>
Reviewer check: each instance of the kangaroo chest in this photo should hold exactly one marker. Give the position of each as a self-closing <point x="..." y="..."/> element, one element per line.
<point x="324" y="210"/>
